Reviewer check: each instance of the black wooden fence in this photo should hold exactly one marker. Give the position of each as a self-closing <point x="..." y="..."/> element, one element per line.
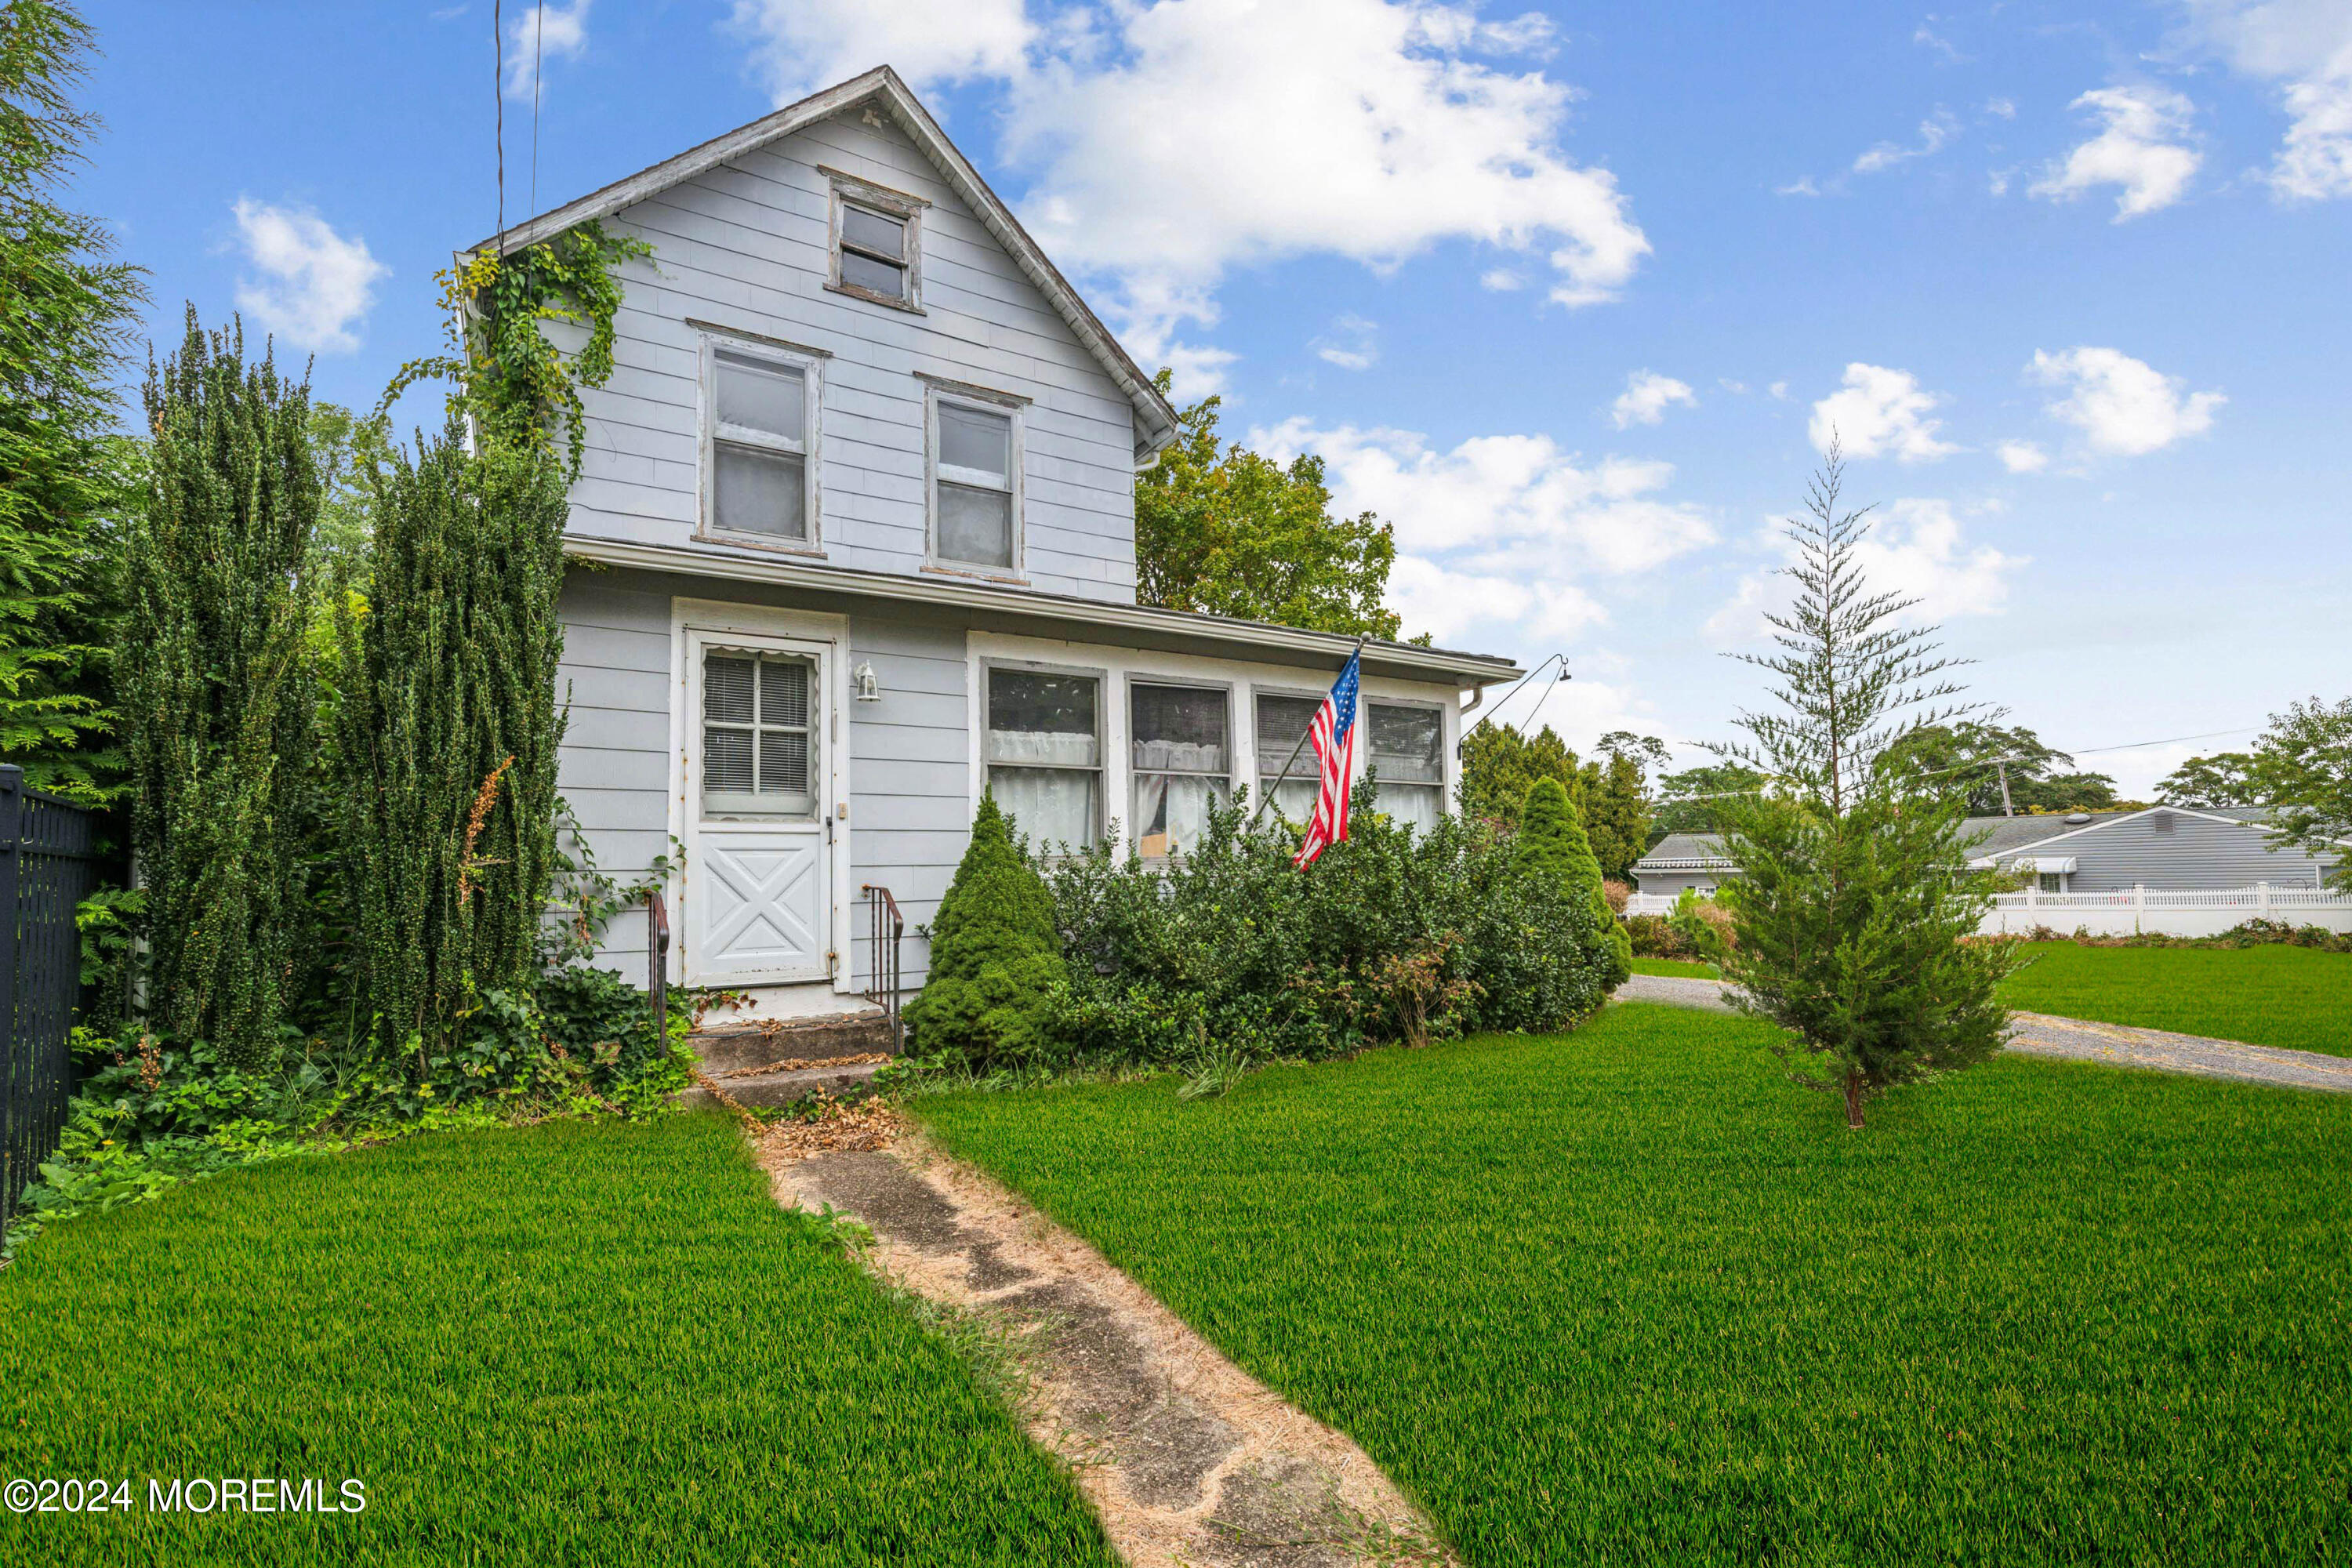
<point x="48" y="865"/>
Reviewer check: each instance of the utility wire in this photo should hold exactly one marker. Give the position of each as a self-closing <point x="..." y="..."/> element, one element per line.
<point x="538" y="42"/>
<point x="498" y="91"/>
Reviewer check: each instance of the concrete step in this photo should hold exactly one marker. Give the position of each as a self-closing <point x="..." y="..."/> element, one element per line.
<point x="743" y="1047"/>
<point x="843" y="1081"/>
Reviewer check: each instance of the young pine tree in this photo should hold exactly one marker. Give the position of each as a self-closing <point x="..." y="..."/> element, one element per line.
<point x="1552" y="844"/>
<point x="215" y="691"/>
<point x="447" y="732"/>
<point x="1853" y="906"/>
<point x="994" y="955"/>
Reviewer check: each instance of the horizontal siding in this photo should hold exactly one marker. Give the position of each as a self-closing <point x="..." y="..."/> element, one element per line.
<point x="2197" y="853"/>
<point x="744" y="246"/>
<point x="614" y="770"/>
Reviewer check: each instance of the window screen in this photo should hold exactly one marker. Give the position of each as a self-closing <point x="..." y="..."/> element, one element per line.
<point x="1177" y="738"/>
<point x="1281" y="722"/>
<point x="759" y="447"/>
<point x="1044" y="753"/>
<point x="1408" y="760"/>
<point x="874" y="250"/>
<point x="759" y="745"/>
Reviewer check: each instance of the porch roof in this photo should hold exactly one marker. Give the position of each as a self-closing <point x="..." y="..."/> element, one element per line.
<point x="1019" y="610"/>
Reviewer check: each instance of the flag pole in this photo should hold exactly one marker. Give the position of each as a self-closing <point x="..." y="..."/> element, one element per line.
<point x="1283" y="777"/>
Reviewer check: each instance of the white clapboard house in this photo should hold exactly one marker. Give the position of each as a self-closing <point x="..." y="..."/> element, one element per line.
<point x="855" y="541"/>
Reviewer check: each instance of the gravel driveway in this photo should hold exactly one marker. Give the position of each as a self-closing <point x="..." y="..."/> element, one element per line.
<point x="2041" y="1035"/>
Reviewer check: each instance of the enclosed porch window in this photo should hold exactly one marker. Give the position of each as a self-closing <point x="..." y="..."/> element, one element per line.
<point x="1044" y="754"/>
<point x="1182" y="761"/>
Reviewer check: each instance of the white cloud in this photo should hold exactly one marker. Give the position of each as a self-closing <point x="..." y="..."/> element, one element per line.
<point x="1801" y="186"/>
<point x="1934" y="131"/>
<point x="1173" y="142"/>
<point x="2001" y="108"/>
<point x="1880" y="412"/>
<point x="2123" y="405"/>
<point x="2022" y="456"/>
<point x="1647" y="397"/>
<point x="536" y="35"/>
<point x="799" y="45"/>
<point x="2141" y="147"/>
<point x="1914" y="549"/>
<point x="1927" y="37"/>
<point x="2304" y="47"/>
<point x="1779" y="391"/>
<point x="1502" y="279"/>
<point x="1495" y="532"/>
<point x="314" y="285"/>
<point x="1519" y="498"/>
<point x="1352" y="343"/>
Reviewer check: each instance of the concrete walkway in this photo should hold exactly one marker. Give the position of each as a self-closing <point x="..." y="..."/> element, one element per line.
<point x="2041" y="1035"/>
<point x="1187" y="1461"/>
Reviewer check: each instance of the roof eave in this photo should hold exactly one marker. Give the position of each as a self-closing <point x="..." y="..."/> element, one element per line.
<point x="1154" y="415"/>
<point x="1411" y="660"/>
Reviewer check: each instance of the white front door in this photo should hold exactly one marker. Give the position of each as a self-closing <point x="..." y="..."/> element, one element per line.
<point x="758" y="809"/>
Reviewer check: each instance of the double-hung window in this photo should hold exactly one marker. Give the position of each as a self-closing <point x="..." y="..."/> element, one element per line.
<point x="976" y="483"/>
<point x="759" y="745"/>
<point x="1044" y="753"/>
<point x="1182" y="763"/>
<point x="876" y="243"/>
<point x="761" y="455"/>
<point x="1282" y="721"/>
<point x="1408" y="760"/>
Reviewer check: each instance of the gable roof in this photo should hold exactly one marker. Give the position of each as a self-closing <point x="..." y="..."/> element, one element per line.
<point x="882" y="87"/>
<point x="2253" y="817"/>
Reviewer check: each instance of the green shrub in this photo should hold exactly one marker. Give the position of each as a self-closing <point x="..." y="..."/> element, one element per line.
<point x="995" y="964"/>
<point x="1552" y="844"/>
<point x="1226" y="952"/>
<point x="1702" y="926"/>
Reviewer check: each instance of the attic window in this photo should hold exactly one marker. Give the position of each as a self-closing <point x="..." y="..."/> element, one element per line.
<point x="2162" y="822"/>
<point x="876" y="244"/>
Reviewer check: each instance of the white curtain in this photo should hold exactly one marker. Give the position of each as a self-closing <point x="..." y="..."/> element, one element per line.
<point x="1413" y="804"/>
<point x="1172" y="810"/>
<point x="1042" y="748"/>
<point x="1052" y="805"/>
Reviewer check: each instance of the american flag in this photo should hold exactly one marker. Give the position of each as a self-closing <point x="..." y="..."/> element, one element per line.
<point x="1332" y="734"/>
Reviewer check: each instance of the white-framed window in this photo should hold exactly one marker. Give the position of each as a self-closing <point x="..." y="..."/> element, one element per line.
<point x="2051" y="881"/>
<point x="876" y="243"/>
<point x="1180" y="756"/>
<point x="759" y="737"/>
<point x="1045" y="753"/>
<point x="1407" y="754"/>
<point x="760" y="404"/>
<point x="975" y="482"/>
<point x="1281" y="720"/>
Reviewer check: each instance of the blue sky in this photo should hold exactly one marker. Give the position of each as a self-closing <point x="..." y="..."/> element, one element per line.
<point x="1568" y="294"/>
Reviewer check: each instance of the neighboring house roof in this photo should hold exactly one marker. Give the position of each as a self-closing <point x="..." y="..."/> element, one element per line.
<point x="1029" y="610"/>
<point x="883" y="86"/>
<point x="2003" y="838"/>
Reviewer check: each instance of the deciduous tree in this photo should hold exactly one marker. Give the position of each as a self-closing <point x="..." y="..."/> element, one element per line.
<point x="2225" y="778"/>
<point x="1224" y="530"/>
<point x="2304" y="765"/>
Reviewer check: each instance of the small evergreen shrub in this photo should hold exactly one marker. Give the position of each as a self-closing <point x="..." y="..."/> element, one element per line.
<point x="995" y="966"/>
<point x="1227" y="953"/>
<point x="1552" y="844"/>
<point x="1702" y="926"/>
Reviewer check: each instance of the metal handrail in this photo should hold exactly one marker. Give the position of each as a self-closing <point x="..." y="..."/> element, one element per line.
<point x="886" y="932"/>
<point x="658" y="951"/>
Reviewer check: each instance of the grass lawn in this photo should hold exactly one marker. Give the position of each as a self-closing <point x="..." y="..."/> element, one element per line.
<point x="573" y="1343"/>
<point x="2290" y="996"/>
<point x="1629" y="1297"/>
<point x="1675" y="966"/>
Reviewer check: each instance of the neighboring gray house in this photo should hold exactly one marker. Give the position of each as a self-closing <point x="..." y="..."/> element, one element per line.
<point x="855" y="539"/>
<point x="2164" y="848"/>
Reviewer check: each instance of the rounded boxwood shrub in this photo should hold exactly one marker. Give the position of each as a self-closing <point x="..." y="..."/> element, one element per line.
<point x="996" y="963"/>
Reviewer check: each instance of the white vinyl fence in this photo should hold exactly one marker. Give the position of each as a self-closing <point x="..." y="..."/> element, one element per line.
<point x="2127" y="911"/>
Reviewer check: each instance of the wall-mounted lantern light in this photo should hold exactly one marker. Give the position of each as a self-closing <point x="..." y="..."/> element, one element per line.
<point x="869" y="689"/>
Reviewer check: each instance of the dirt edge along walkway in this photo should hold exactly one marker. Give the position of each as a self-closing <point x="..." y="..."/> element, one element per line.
<point x="1185" y="1459"/>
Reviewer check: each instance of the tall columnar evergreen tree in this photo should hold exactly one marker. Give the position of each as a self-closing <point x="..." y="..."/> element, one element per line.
<point x="1853" y="907"/>
<point x="1552" y="844"/>
<point x="214" y="692"/>
<point x="447" y="729"/>
<point x="67" y="314"/>
<point x="994" y="955"/>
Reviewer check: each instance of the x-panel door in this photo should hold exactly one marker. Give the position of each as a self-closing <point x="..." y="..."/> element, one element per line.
<point x="758" y="809"/>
